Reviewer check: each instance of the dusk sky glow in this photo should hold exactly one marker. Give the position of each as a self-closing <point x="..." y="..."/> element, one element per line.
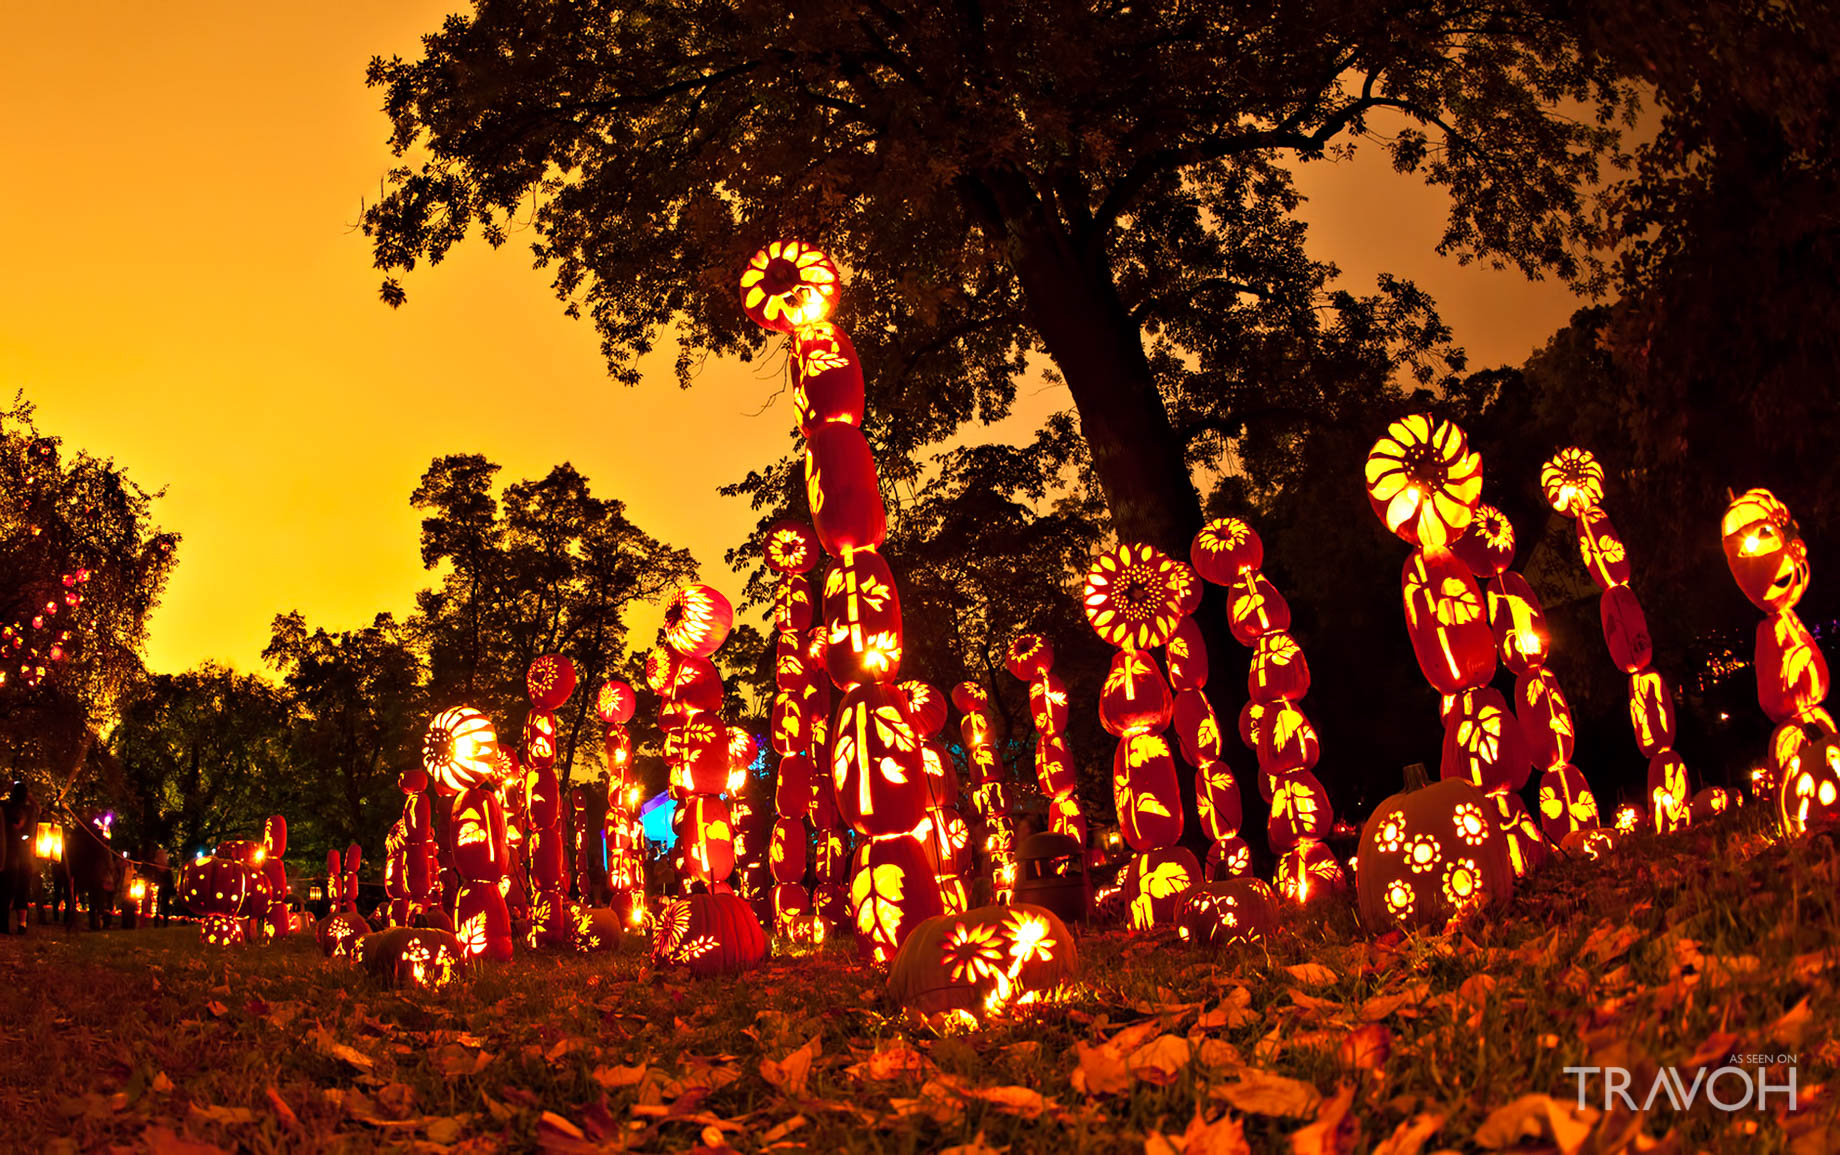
<point x="185" y="290"/>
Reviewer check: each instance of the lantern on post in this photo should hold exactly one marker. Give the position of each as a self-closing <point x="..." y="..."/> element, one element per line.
<point x="1573" y="483"/>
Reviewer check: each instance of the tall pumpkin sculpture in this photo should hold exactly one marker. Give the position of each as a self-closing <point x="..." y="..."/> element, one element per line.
<point x="801" y="705"/>
<point x="991" y="796"/>
<point x="614" y="705"/>
<point x="875" y="760"/>
<point x="420" y="864"/>
<point x="1769" y="561"/>
<point x="1135" y="597"/>
<point x="1228" y="552"/>
<point x="1573" y="483"/>
<point x="696" y="741"/>
<point x="548" y="684"/>
<point x="460" y="753"/>
<point x="943" y="832"/>
<point x="1494" y="746"/>
<point x="1031" y="659"/>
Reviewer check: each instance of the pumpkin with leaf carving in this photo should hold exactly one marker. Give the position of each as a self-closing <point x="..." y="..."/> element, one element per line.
<point x="983" y="960"/>
<point x="709" y="934"/>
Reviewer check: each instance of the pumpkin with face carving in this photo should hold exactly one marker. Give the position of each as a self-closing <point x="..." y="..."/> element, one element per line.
<point x="1764" y="548"/>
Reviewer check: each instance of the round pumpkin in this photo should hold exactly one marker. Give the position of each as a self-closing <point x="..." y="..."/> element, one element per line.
<point x="1136" y="595"/>
<point x="1429" y="856"/>
<point x="697" y="620"/>
<point x="1224" y="549"/>
<point x="549" y="681"/>
<point x="1808" y="794"/>
<point x="862" y="617"/>
<point x="1423" y="480"/>
<point x="1447" y="622"/>
<point x="338" y="934"/>
<point x="460" y="750"/>
<point x="615" y="702"/>
<point x="482" y="922"/>
<point x="788" y="285"/>
<point x="1487" y="546"/>
<point x="843" y="490"/>
<point x="791" y="547"/>
<point x="983" y="960"/>
<point x="1483" y="743"/>
<point x="1572" y="480"/>
<point x="970" y="698"/>
<point x="1522" y="639"/>
<point x="708" y="935"/>
<point x="1153" y="885"/>
<point x="891" y="892"/>
<point x="709" y="843"/>
<point x="1765" y="551"/>
<point x="1187" y="657"/>
<point x="1592" y="843"/>
<point x="1791" y="669"/>
<point x="926" y="708"/>
<point x="1255" y="608"/>
<point x="1029" y="657"/>
<point x="1287" y="740"/>
<point x="221" y="930"/>
<point x="412" y="957"/>
<point x="1308" y="871"/>
<point x="594" y="928"/>
<point x="1228" y="858"/>
<point x="215" y="885"/>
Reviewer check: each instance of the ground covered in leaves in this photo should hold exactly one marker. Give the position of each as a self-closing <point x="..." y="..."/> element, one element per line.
<point x="1678" y="953"/>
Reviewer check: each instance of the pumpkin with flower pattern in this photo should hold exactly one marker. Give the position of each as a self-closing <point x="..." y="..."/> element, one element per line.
<point x="983" y="961"/>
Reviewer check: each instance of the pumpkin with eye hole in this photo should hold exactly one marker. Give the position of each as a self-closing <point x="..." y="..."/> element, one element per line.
<point x="983" y="960"/>
<point x="1808" y="777"/>
<point x="843" y="490"/>
<point x="1447" y="623"/>
<point x="1224" y="549"/>
<point x="1430" y="856"/>
<point x="708" y="935"/>
<point x="1765" y="550"/>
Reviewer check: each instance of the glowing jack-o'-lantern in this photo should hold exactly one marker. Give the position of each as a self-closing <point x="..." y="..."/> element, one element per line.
<point x="709" y="934"/>
<point x="1309" y="870"/>
<point x="1792" y="672"/>
<point x="460" y="750"/>
<point x="862" y="618"/>
<point x="539" y="742"/>
<point x="1055" y="771"/>
<point x="828" y="378"/>
<point x="482" y="921"/>
<point x="1545" y="717"/>
<point x="1134" y="698"/>
<point x="1144" y="786"/>
<point x="1217" y="800"/>
<point x="1522" y="639"/>
<point x="1423" y="480"/>
<point x="1048" y="704"/>
<point x="1572" y="480"/>
<point x="697" y="753"/>
<point x="1287" y="740"/>
<point x="789" y="284"/>
<point x="1278" y="670"/>
<point x="1188" y="657"/>
<point x="876" y="762"/>
<point x="549" y="681"/>
<point x="790" y="547"/>
<point x="1430" y="856"/>
<point x="1447" y="622"/>
<point x="1227" y="913"/>
<point x="697" y="620"/>
<point x="1228" y="857"/>
<point x="983" y="960"/>
<point x="694" y="687"/>
<point x="1483" y="743"/>
<point x="709" y="838"/>
<point x="926" y="708"/>
<point x="1154" y="884"/>
<point x="419" y="957"/>
<point x="1197" y="728"/>
<point x="1255" y="608"/>
<point x="1566" y="802"/>
<point x="1625" y="629"/>
<point x="1487" y="546"/>
<point x="1135" y="595"/>
<point x="338" y="934"/>
<point x="1300" y="811"/>
<point x="615" y="703"/>
<point x="1764" y="548"/>
<point x="843" y="490"/>
<point x="1224" y="549"/>
<point x="1601" y="547"/>
<point x="891" y="892"/>
<point x="1030" y="657"/>
<point x="1668" y="792"/>
<point x="1808" y="796"/>
<point x="215" y="885"/>
<point x="1651" y="712"/>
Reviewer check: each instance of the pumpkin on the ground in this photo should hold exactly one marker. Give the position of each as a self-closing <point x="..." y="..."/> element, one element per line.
<point x="338" y="934"/>
<point x="983" y="960"/>
<point x="1227" y="913"/>
<point x="709" y="934"/>
<point x="411" y="957"/>
<point x="1429" y="856"/>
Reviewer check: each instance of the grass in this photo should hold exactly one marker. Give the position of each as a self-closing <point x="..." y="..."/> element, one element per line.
<point x="1675" y="953"/>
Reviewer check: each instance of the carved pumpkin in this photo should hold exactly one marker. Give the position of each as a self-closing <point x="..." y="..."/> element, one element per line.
<point x="1423" y="480"/>
<point x="1197" y="728"/>
<point x="787" y="285"/>
<point x="1487" y="546"/>
<point x="1300" y="812"/>
<point x="1764" y="548"/>
<point x="1572" y="480"/>
<point x="221" y="930"/>
<point x="891" y="892"/>
<point x="1278" y="669"/>
<point x="482" y="922"/>
<point x="549" y="681"/>
<point x="1228" y="858"/>
<point x="791" y="547"/>
<point x="792" y="604"/>
<point x="1791" y="669"/>
<point x="215" y="885"/>
<point x="540" y="739"/>
<point x="876" y="762"/>
<point x="1566" y="802"/>
<point x="1545" y="717"/>
<point x="1055" y="772"/>
<point x="1048" y="704"/>
<point x="1187" y="657"/>
<point x="787" y="851"/>
<point x="709" y="845"/>
<point x="1224" y="549"/>
<point x="1154" y="884"/>
<point x="1134" y="698"/>
<point x="615" y="703"/>
<point x="1309" y="870"/>
<point x="1029" y="658"/>
<point x="1483" y="743"/>
<point x="843" y="490"/>
<point x="1430" y="856"/>
<point x="697" y="620"/>
<point x="1217" y="800"/>
<point x="1651" y="712"/>
<point x="828" y="377"/>
<point x="337" y="934"/>
<point x="1808" y="796"/>
<point x="1255" y="608"/>
<point x="1668" y="791"/>
<point x="792" y="795"/>
<point x="1625" y="629"/>
<point x="970" y="698"/>
<point x="862" y="618"/>
<point x="1602" y="549"/>
<point x="1229" y="912"/>
<point x="709" y="934"/>
<point x="478" y="836"/>
<point x="1522" y="639"/>
<point x="1591" y="844"/>
<point x="460" y="750"/>
<point x="412" y="957"/>
<point x="1135" y="596"/>
<point x="697" y="753"/>
<point x="982" y="960"/>
<point x="1527" y="847"/>
<point x="926" y="708"/>
<point x="1145" y="789"/>
<point x="1447" y="623"/>
<point x="1287" y="740"/>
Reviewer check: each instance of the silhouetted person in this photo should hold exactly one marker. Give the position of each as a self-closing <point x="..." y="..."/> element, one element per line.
<point x="21" y="856"/>
<point x="64" y="888"/>
<point x="92" y="865"/>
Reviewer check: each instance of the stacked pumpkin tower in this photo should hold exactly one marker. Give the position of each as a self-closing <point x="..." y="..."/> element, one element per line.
<point x="1573" y="483"/>
<point x="1424" y="862"/>
<point x="990" y="794"/>
<point x="1135" y="596"/>
<point x="460" y="752"/>
<point x="1522" y="643"/>
<point x="802" y="693"/>
<point x="1031" y="659"/>
<point x="875" y="757"/>
<point x="1769" y="561"/>
<point x="1228" y="552"/>
<point x="696" y="741"/>
<point x="548" y="684"/>
<point x="615" y="704"/>
<point x="943" y="831"/>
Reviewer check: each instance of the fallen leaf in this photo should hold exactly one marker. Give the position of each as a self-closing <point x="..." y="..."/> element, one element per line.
<point x="977" y="1146"/>
<point x="1225" y="1136"/>
<point x="1366" y="1048"/>
<point x="1334" y="1132"/>
<point x="445" y="1129"/>
<point x="217" y="1009"/>
<point x="1539" y="1117"/>
<point x="1311" y="974"/>
<point x="229" y="1116"/>
<point x="284" y="1114"/>
<point x="1100" y="1070"/>
<point x="332" y="1048"/>
<point x="790" y="1073"/>
<point x="163" y="1141"/>
<point x="1235" y="1010"/>
<point x="613" y="1078"/>
<point x="1160" y="1060"/>
<point x="781" y="1130"/>
<point x="1261" y="1093"/>
<point x="890" y="1063"/>
<point x="1788" y="1029"/>
<point x="1717" y="1046"/>
<point x="1409" y="1137"/>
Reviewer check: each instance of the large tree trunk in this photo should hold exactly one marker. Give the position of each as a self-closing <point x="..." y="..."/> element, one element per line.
<point x="1073" y="305"/>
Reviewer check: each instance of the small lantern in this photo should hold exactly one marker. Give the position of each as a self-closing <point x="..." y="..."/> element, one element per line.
<point x="49" y="842"/>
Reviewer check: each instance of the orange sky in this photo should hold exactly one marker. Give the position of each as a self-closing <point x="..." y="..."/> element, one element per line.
<point x="183" y="288"/>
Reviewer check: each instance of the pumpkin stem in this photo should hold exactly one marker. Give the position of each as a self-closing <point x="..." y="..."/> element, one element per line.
<point x="1416" y="777"/>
